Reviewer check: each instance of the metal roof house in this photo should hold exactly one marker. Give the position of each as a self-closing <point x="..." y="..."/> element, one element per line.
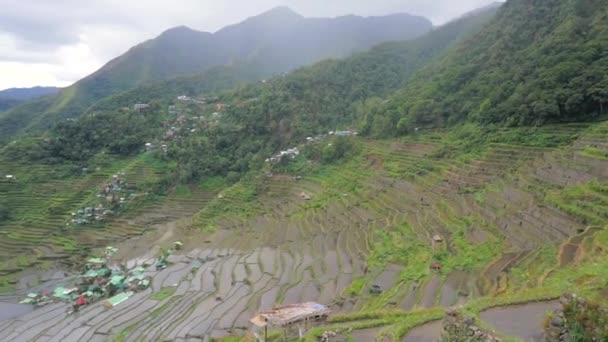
<point x="140" y="106"/>
<point x="292" y="318"/>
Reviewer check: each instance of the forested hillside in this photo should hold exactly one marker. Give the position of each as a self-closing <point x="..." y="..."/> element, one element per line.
<point x="12" y="97"/>
<point x="539" y="61"/>
<point x="462" y="175"/>
<point x="272" y="42"/>
<point x="213" y="81"/>
<point x="24" y="94"/>
<point x="6" y="104"/>
<point x="260" y="117"/>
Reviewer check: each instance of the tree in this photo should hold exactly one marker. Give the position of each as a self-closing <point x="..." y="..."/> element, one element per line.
<point x="5" y="212"/>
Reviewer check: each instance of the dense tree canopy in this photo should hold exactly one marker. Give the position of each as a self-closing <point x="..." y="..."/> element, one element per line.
<point x="260" y="118"/>
<point x="537" y="62"/>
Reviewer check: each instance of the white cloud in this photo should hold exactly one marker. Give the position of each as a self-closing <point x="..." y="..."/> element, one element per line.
<point x="58" y="42"/>
<point x="16" y="74"/>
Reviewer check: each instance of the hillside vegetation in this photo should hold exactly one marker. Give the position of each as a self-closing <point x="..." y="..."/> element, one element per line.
<point x="260" y="118"/>
<point x="23" y="94"/>
<point x="276" y="41"/>
<point x="6" y="104"/>
<point x="478" y="179"/>
<point x="12" y="97"/>
<point x="538" y="62"/>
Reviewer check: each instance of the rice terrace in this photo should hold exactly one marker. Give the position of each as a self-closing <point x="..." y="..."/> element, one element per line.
<point x="397" y="180"/>
<point x="373" y="221"/>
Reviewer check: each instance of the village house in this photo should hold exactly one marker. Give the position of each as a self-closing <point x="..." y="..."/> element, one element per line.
<point x="293" y="319"/>
<point x="138" y="107"/>
<point x="291" y="153"/>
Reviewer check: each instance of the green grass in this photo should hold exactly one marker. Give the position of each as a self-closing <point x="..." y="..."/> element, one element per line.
<point x="594" y="153"/>
<point x="164" y="293"/>
<point x="479" y="197"/>
<point x="356" y="287"/>
<point x="587" y="201"/>
<point x="403" y="325"/>
<point x="64" y="98"/>
<point x="7" y="283"/>
<point x="400" y="245"/>
<point x="469" y="256"/>
<point x="183" y="191"/>
<point x="213" y="184"/>
<point x="336" y="181"/>
<point x="239" y="200"/>
<point x="398" y="242"/>
<point x="122" y="336"/>
<point x="397" y="322"/>
<point x="210" y="228"/>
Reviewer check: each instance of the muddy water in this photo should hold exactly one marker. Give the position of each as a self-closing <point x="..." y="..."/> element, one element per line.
<point x="457" y="288"/>
<point x="10" y="310"/>
<point x="570" y="250"/>
<point x="524" y="321"/>
<point x="387" y="278"/>
<point x="365" y="335"/>
<point x="568" y="254"/>
<point x="431" y="289"/>
<point x="429" y="332"/>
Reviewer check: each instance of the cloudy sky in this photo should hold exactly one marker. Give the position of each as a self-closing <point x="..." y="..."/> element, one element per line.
<point x="57" y="42"/>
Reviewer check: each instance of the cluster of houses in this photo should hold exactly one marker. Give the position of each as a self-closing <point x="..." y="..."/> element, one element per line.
<point x="89" y="215"/>
<point x="113" y="193"/>
<point x="113" y="190"/>
<point x="204" y="100"/>
<point x="139" y="107"/>
<point x="347" y="133"/>
<point x="291" y="153"/>
<point x="98" y="281"/>
<point x="184" y="125"/>
<point x="321" y="137"/>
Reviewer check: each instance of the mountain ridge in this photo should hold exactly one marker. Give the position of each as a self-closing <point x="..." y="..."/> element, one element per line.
<point x="533" y="65"/>
<point x="27" y="93"/>
<point x="13" y="97"/>
<point x="275" y="44"/>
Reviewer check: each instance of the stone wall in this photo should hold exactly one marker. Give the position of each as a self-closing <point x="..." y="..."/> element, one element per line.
<point x="457" y="328"/>
<point x="577" y="320"/>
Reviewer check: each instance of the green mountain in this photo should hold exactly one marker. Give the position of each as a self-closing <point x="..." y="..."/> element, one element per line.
<point x="14" y="96"/>
<point x="275" y="41"/>
<point x="462" y="209"/>
<point x="310" y="99"/>
<point x="538" y="62"/>
<point x="6" y="104"/>
<point x="379" y="71"/>
<point x="23" y="94"/>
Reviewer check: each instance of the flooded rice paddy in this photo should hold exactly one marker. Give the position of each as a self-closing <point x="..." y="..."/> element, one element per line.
<point x="291" y="252"/>
<point x="524" y="321"/>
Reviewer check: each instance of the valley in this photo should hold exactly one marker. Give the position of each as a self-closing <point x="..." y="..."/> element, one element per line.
<point x="422" y="183"/>
<point x="506" y="233"/>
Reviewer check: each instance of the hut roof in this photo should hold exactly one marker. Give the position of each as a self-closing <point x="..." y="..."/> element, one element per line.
<point x="288" y="314"/>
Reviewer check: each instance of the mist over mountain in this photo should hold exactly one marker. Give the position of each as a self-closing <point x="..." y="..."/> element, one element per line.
<point x="14" y="96"/>
<point x="424" y="189"/>
<point x="274" y="41"/>
<point x="23" y="94"/>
